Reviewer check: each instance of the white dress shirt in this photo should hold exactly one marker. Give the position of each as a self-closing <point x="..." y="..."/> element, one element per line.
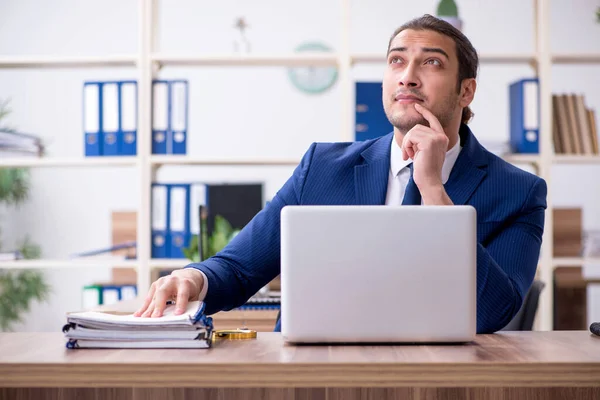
<point x="397" y="181"/>
<point x="400" y="172"/>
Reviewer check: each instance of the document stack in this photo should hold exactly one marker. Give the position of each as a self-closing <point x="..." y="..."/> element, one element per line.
<point x="98" y="329"/>
<point x="17" y="144"/>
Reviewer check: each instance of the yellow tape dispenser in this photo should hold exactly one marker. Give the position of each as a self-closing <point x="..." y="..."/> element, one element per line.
<point x="234" y="334"/>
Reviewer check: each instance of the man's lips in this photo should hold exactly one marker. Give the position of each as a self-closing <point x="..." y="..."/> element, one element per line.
<point x="407" y="98"/>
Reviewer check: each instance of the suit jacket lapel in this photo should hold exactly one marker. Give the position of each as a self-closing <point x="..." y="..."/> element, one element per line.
<point x="469" y="169"/>
<point x="371" y="177"/>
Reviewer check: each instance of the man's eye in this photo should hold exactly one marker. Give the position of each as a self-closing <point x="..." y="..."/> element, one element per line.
<point x="434" y="61"/>
<point x="395" y="60"/>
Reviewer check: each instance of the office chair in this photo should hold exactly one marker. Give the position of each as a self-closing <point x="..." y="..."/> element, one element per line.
<point x="523" y="320"/>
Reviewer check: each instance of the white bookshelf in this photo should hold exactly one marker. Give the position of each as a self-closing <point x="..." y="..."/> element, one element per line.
<point x="576" y="58"/>
<point x="574" y="261"/>
<point x="67" y="62"/>
<point x="22" y="162"/>
<point x="81" y="263"/>
<point x="522" y="158"/>
<point x="186" y="160"/>
<point x="146" y="62"/>
<point x="575" y="159"/>
<point x="169" y="262"/>
<point x="265" y="60"/>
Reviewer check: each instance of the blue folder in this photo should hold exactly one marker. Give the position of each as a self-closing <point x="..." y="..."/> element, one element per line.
<point x="524" y="116"/>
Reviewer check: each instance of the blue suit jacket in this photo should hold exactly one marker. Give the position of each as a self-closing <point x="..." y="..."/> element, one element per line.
<point x="510" y="206"/>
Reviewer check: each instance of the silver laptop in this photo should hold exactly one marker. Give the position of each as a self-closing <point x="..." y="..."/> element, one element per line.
<point x="368" y="274"/>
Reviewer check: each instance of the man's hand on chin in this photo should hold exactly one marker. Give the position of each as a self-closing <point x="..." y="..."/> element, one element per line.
<point x="427" y="146"/>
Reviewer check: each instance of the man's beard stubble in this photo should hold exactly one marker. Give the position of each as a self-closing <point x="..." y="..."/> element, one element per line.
<point x="404" y="123"/>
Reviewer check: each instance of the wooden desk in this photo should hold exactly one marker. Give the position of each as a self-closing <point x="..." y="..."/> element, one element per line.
<point x="508" y="365"/>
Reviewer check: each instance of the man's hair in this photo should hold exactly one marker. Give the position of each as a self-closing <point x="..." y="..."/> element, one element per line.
<point x="468" y="60"/>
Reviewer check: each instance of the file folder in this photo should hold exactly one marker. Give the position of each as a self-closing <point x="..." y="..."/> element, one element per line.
<point x="92" y="122"/>
<point x="179" y="227"/>
<point x="160" y="116"/>
<point x="127" y="292"/>
<point x="524" y="116"/>
<point x="169" y="116"/>
<point x="371" y="121"/>
<point x="160" y="220"/>
<point x="128" y="118"/>
<point x="177" y="139"/>
<point x="110" y="118"/>
<point x="110" y="294"/>
<point x="91" y="297"/>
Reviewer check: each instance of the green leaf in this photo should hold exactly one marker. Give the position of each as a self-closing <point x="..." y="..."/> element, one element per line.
<point x="17" y="291"/>
<point x="4" y="109"/>
<point x="14" y="185"/>
<point x="222" y="226"/>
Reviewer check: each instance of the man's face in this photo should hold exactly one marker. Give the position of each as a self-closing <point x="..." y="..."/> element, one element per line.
<point x="421" y="68"/>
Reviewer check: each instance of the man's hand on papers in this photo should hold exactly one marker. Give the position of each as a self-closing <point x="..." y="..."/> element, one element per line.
<point x="181" y="285"/>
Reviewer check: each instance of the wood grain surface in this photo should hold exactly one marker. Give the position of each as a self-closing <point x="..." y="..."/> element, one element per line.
<point x="521" y="359"/>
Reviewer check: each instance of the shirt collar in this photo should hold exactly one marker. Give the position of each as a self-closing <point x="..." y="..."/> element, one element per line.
<point x="397" y="163"/>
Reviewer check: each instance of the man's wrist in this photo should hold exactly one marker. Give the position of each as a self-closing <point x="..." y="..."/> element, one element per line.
<point x="435" y="195"/>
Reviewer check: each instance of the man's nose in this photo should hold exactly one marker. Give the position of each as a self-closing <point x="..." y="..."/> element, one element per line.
<point x="409" y="77"/>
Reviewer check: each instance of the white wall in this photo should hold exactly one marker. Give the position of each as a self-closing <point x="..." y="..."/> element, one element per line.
<point x="237" y="112"/>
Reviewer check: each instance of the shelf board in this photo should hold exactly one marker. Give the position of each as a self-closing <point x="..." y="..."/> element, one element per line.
<point x="573" y="261"/>
<point x="187" y="160"/>
<point x="169" y="263"/>
<point x="522" y="158"/>
<point x="67" y="62"/>
<point x="258" y="60"/>
<point x="576" y="159"/>
<point x="499" y="58"/>
<point x="70" y="263"/>
<point x="556" y="159"/>
<point x="574" y="58"/>
<point x="20" y="162"/>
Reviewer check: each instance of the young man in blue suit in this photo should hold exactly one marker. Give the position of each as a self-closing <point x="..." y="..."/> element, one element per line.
<point x="431" y="158"/>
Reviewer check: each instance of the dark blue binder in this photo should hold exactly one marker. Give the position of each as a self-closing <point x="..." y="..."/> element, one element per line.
<point x="160" y="116"/>
<point x="128" y="118"/>
<point x="160" y="221"/>
<point x="179" y="219"/>
<point x="371" y="121"/>
<point x="92" y="118"/>
<point x="524" y="116"/>
<point x="110" y="118"/>
<point x="178" y="121"/>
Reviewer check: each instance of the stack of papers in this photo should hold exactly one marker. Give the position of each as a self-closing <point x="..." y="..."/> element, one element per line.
<point x="17" y="144"/>
<point x="95" y="329"/>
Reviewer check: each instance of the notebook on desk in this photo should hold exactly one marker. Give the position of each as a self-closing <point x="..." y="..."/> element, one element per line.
<point x="378" y="274"/>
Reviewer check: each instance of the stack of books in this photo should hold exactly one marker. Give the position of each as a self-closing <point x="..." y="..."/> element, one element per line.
<point x="17" y="144"/>
<point x="105" y="329"/>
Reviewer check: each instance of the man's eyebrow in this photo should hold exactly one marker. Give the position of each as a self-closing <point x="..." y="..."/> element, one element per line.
<point x="425" y="50"/>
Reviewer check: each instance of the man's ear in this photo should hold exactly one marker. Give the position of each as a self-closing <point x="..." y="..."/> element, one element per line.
<point x="467" y="91"/>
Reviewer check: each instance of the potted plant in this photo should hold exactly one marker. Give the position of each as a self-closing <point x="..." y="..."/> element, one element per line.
<point x="18" y="288"/>
<point x="211" y="245"/>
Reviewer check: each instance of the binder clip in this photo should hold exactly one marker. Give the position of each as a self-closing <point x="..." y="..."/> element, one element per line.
<point x="234" y="334"/>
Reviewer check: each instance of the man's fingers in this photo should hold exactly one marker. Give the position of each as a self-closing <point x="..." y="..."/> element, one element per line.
<point x="434" y="123"/>
<point x="147" y="301"/>
<point x="404" y="152"/>
<point x="149" y="310"/>
<point x="408" y="145"/>
<point x="164" y="293"/>
<point x="183" y="294"/>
